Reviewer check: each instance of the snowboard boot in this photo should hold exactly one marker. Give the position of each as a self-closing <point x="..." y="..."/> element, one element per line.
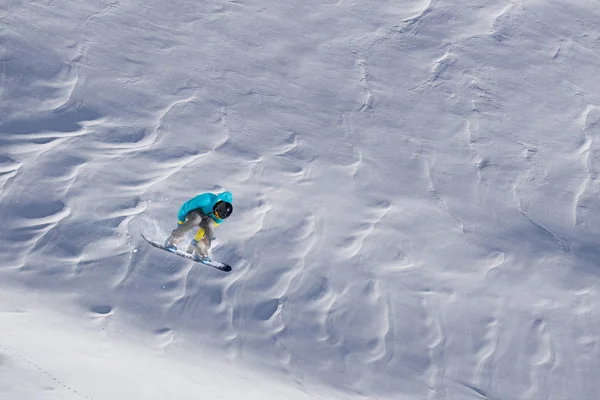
<point x="170" y="245"/>
<point x="199" y="250"/>
<point x="201" y="258"/>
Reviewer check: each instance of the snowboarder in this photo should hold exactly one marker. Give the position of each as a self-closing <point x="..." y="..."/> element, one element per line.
<point x="206" y="211"/>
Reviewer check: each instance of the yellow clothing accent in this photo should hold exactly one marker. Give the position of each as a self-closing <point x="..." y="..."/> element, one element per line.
<point x="199" y="235"/>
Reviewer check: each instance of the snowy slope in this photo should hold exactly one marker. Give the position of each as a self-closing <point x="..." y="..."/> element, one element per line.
<point x="416" y="203"/>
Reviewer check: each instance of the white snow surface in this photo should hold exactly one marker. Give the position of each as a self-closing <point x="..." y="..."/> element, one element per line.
<point x="415" y="186"/>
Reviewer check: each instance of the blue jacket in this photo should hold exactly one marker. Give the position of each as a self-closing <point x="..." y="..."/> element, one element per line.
<point x="203" y="203"/>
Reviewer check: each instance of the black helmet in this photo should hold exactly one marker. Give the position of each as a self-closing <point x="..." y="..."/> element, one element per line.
<point x="222" y="209"/>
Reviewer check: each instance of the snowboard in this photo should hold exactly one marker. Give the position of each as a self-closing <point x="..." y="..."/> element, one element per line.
<point x="215" y="264"/>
